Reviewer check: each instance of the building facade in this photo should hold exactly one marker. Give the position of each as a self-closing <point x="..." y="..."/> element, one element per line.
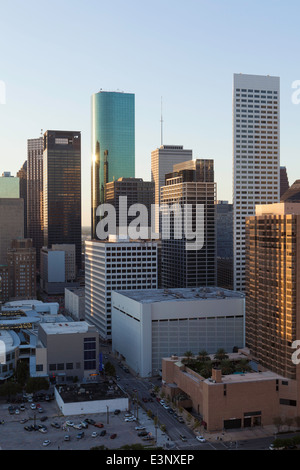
<point x="35" y="149"/>
<point x="162" y="161"/>
<point x="62" y="190"/>
<point x="224" y="230"/>
<point x="191" y="187"/>
<point x="113" y="143"/>
<point x="162" y="322"/>
<point x="256" y="155"/>
<point x="12" y="224"/>
<point x="113" y="265"/>
<point x="21" y="261"/>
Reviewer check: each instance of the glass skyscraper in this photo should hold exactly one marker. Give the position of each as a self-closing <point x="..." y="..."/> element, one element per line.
<point x="113" y="143"/>
<point x="62" y="189"/>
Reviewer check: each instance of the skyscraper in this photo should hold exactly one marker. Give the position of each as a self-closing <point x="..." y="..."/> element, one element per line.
<point x="284" y="181"/>
<point x="162" y="161"/>
<point x="113" y="143"/>
<point x="22" y="175"/>
<point x="62" y="189"/>
<point x="256" y="155"/>
<point x="111" y="265"/>
<point x="35" y="194"/>
<point x="272" y="287"/>
<point x="191" y="186"/>
<point x="136" y="191"/>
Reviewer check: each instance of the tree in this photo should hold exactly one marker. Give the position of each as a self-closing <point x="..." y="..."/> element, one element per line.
<point x="278" y="422"/>
<point x="203" y="355"/>
<point x="221" y="354"/>
<point x="288" y="422"/>
<point x="22" y="372"/>
<point x="35" y="384"/>
<point x="227" y="367"/>
<point x="109" y="369"/>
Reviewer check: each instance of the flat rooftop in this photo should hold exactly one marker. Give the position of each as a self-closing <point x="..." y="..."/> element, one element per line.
<point x="66" y="327"/>
<point x="89" y="392"/>
<point x="167" y="295"/>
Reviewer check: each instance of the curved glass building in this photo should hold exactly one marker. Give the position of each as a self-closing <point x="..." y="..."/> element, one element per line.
<point x="113" y="143"/>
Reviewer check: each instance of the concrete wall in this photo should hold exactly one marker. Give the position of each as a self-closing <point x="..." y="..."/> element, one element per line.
<point x="90" y="407"/>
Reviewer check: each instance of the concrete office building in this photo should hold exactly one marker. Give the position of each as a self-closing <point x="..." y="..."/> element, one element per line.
<point x="21" y="261"/>
<point x="113" y="143"/>
<point x="151" y="324"/>
<point x="12" y="224"/>
<point x="136" y="191"/>
<point x="162" y="161"/>
<point x="62" y="190"/>
<point x="113" y="265"/>
<point x="190" y="187"/>
<point x="256" y="155"/>
<point x="9" y="186"/>
<point x="75" y="302"/>
<point x="35" y="194"/>
<point x="284" y="181"/>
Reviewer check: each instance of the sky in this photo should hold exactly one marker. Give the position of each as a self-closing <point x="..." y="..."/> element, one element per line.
<point x="55" y="55"/>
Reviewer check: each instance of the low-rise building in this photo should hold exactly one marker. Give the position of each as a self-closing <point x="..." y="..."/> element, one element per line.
<point x="75" y="302"/>
<point x="233" y="401"/>
<point x="67" y="351"/>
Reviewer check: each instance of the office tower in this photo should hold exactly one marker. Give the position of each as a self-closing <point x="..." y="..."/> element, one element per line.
<point x="62" y="190"/>
<point x="182" y="267"/>
<point x="115" y="265"/>
<point x="21" y="261"/>
<point x="162" y="161"/>
<point x="113" y="143"/>
<point x="256" y="155"/>
<point x="12" y="224"/>
<point x="284" y="181"/>
<point x="137" y="191"/>
<point x="224" y="230"/>
<point x="292" y="194"/>
<point x="9" y="186"/>
<point x="22" y="175"/>
<point x="35" y="194"/>
<point x="272" y="286"/>
<point x="4" y="289"/>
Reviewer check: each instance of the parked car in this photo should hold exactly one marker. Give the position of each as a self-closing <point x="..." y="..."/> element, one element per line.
<point x="55" y="425"/>
<point x="94" y="434"/>
<point x="200" y="439"/>
<point x="77" y="426"/>
<point x="84" y="424"/>
<point x="113" y="436"/>
<point x="80" y="435"/>
<point x="99" y="425"/>
<point x="143" y="433"/>
<point x="32" y="406"/>
<point x="46" y="442"/>
<point x="90" y="421"/>
<point x="44" y="418"/>
<point x="180" y="419"/>
<point x="67" y="437"/>
<point x="182" y="437"/>
<point x="102" y="433"/>
<point x="140" y="428"/>
<point x="70" y="423"/>
<point x="117" y="412"/>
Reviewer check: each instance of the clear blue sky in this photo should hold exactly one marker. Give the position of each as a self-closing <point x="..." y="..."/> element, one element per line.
<point x="55" y="55"/>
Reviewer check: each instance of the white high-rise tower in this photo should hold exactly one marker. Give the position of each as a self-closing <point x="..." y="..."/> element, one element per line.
<point x="256" y="155"/>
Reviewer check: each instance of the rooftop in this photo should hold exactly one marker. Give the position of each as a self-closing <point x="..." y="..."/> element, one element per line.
<point x="66" y="327"/>
<point x="89" y="392"/>
<point x="167" y="295"/>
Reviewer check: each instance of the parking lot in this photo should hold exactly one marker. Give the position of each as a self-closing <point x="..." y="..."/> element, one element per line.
<point x="13" y="436"/>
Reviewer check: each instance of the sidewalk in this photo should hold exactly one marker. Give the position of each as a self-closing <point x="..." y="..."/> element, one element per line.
<point x="242" y="434"/>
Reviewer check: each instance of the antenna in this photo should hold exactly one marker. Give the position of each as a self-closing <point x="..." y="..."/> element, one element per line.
<point x="161" y="125"/>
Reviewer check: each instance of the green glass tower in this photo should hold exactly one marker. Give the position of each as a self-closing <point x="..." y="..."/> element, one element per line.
<point x="113" y="143"/>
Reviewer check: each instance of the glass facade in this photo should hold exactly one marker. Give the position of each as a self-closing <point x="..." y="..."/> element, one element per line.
<point x="113" y="143"/>
<point x="62" y="189"/>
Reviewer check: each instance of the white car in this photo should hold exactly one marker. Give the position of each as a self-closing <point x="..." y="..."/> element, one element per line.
<point x="140" y="428"/>
<point x="17" y="411"/>
<point x="77" y="426"/>
<point x="94" y="434"/>
<point x="32" y="406"/>
<point x="129" y="420"/>
<point x="200" y="439"/>
<point x="46" y="443"/>
<point x="70" y="423"/>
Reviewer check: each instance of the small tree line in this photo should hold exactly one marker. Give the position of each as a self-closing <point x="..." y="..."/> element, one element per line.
<point x="203" y="363"/>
